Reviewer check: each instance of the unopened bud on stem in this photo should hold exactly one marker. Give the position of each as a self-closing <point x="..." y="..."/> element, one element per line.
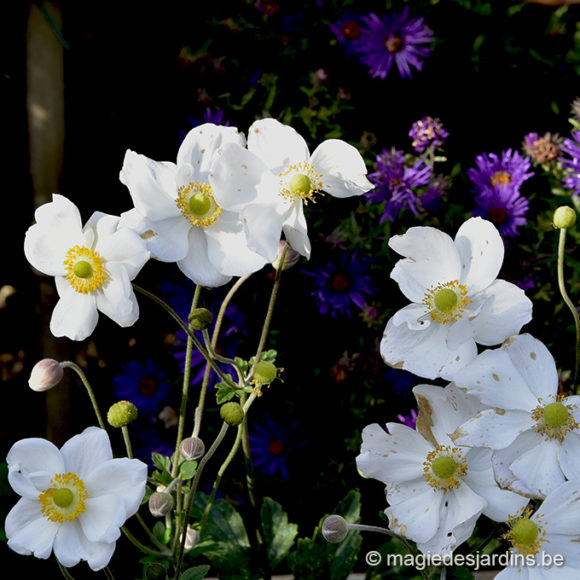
<point x="334" y="529"/>
<point x="46" y="374"/>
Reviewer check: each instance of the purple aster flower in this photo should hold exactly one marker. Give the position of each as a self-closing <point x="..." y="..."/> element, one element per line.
<point x="410" y="420"/>
<point x="143" y="384"/>
<point x="493" y="172"/>
<point x="270" y="444"/>
<point x="427" y="132"/>
<point x="571" y="166"/>
<point x="395" y="182"/>
<point x="347" y="30"/>
<point x="393" y="38"/>
<point x="338" y="285"/>
<point x="505" y="207"/>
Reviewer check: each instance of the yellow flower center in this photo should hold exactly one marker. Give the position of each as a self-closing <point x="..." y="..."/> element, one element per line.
<point x="197" y="203"/>
<point x="65" y="499"/>
<point x="446" y="302"/>
<point x="85" y="269"/>
<point x="300" y="181"/>
<point x="526" y="535"/>
<point x="500" y="178"/>
<point x="555" y="420"/>
<point x="444" y="468"/>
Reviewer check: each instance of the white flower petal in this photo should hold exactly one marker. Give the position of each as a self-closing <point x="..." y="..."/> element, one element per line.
<point x="570" y="455"/>
<point x="342" y="167"/>
<point x="263" y="227"/>
<point x="481" y="252"/>
<point x="75" y="315"/>
<point x="413" y="315"/>
<point x="83" y="452"/>
<point x="125" y="247"/>
<point x="295" y="230"/>
<point x="151" y="185"/>
<point x="70" y="545"/>
<point x="116" y="299"/>
<point x="493" y="428"/>
<point x="99" y="554"/>
<point x="560" y="511"/>
<point x="168" y="240"/>
<point x="103" y="518"/>
<point x="431" y="258"/>
<point x="276" y="144"/>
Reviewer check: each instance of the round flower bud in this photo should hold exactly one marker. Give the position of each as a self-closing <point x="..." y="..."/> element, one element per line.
<point x="192" y="448"/>
<point x="290" y="259"/>
<point x="192" y="538"/>
<point x="564" y="217"/>
<point x="155" y="571"/>
<point x="160" y="504"/>
<point x="121" y="414"/>
<point x="265" y="372"/>
<point x="232" y="413"/>
<point x="200" y="318"/>
<point x="46" y="374"/>
<point x="334" y="529"/>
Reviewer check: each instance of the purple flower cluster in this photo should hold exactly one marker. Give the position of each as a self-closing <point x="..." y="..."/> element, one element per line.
<point x="571" y="164"/>
<point x="497" y="182"/>
<point x="427" y="132"/>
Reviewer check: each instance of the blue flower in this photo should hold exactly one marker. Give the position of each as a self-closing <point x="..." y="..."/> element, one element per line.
<point x="427" y="132"/>
<point x="504" y="207"/>
<point x="270" y="444"/>
<point x="143" y="384"/>
<point x="571" y="165"/>
<point x="347" y="30"/>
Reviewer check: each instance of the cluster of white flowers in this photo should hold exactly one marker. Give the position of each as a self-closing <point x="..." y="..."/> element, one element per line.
<point x="499" y="434"/>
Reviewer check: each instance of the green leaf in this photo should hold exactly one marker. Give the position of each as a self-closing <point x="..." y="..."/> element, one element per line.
<point x="196" y="573"/>
<point x="161" y="462"/>
<point x="278" y="533"/>
<point x="159" y="530"/>
<point x="224" y="393"/>
<point x="187" y="469"/>
<point x="308" y="561"/>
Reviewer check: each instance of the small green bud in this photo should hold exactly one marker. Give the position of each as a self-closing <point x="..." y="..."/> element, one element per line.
<point x="121" y="414"/>
<point x="192" y="448"/>
<point x="160" y="504"/>
<point x="232" y="413"/>
<point x="200" y="318"/>
<point x="46" y="374"/>
<point x="564" y="217"/>
<point x="265" y="372"/>
<point x="155" y="571"/>
<point x="334" y="529"/>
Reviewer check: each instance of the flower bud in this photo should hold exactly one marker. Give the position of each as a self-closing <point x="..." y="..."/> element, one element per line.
<point x="200" y="318"/>
<point x="290" y="259"/>
<point x="192" y="448"/>
<point x="265" y="372"/>
<point x="192" y="538"/>
<point x="232" y="413"/>
<point x="334" y="529"/>
<point x="121" y="414"/>
<point x="46" y="374"/>
<point x="160" y="504"/>
<point x="155" y="571"/>
<point x="564" y="217"/>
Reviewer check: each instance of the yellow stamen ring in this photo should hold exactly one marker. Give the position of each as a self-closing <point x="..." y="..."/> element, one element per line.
<point x="197" y="203"/>
<point x="500" y="178"/>
<point x="444" y="468"/>
<point x="446" y="302"/>
<point x="526" y="535"/>
<point x="85" y="269"/>
<point x="300" y="181"/>
<point x="555" y="419"/>
<point x="65" y="499"/>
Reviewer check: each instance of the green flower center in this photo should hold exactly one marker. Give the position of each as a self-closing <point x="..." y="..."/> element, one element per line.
<point x="63" y="497"/>
<point x="199" y="204"/>
<point x="555" y="414"/>
<point x="444" y="466"/>
<point x="445" y="299"/>
<point x="525" y="532"/>
<point x="300" y="184"/>
<point x="83" y="269"/>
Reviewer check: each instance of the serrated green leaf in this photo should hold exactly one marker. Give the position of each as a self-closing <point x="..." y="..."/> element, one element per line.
<point x="278" y="533"/>
<point x="187" y="469"/>
<point x="224" y="394"/>
<point x="308" y="561"/>
<point x="161" y="461"/>
<point x="196" y="573"/>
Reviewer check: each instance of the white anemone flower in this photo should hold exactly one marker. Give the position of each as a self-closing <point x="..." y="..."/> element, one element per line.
<point x="177" y="212"/>
<point x="544" y="544"/>
<point x="456" y="299"/>
<point x="93" y="266"/>
<point x="534" y="432"/>
<point x="73" y="500"/>
<point x="276" y="175"/>
<point x="435" y="489"/>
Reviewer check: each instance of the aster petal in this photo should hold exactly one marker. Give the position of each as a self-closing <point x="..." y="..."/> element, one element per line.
<point x="58" y="228"/>
<point x="481" y="252"/>
<point x="103" y="518"/>
<point x="151" y="185"/>
<point x="397" y="456"/>
<point x="493" y="428"/>
<point x="83" y="452"/>
<point x="28" y="532"/>
<point x="505" y="310"/>
<point x="431" y="258"/>
<point x="116" y="299"/>
<point x="342" y="167"/>
<point x="75" y="315"/>
<point x="570" y="456"/>
<point x="278" y="145"/>
<point x="295" y="230"/>
<point x="197" y="266"/>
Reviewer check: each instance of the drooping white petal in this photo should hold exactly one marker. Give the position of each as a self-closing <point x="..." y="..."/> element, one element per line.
<point x="151" y="185"/>
<point x="431" y="258"/>
<point x="263" y="227"/>
<point x="86" y="450"/>
<point x="342" y="167"/>
<point x="295" y="230"/>
<point x="570" y="455"/>
<point x="99" y="554"/>
<point x="102" y="518"/>
<point x="75" y="315"/>
<point x="116" y="298"/>
<point x="70" y="545"/>
<point x="481" y="252"/>
<point x="276" y="144"/>
<point x="493" y="428"/>
<point x="58" y="228"/>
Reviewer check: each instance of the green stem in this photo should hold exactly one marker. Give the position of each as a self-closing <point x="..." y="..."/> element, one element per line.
<point x="142" y="547"/>
<point x="71" y="365"/>
<point x="65" y="572"/>
<point x="127" y="441"/>
<point x="569" y="303"/>
<point x="149" y="532"/>
<point x="108" y="573"/>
